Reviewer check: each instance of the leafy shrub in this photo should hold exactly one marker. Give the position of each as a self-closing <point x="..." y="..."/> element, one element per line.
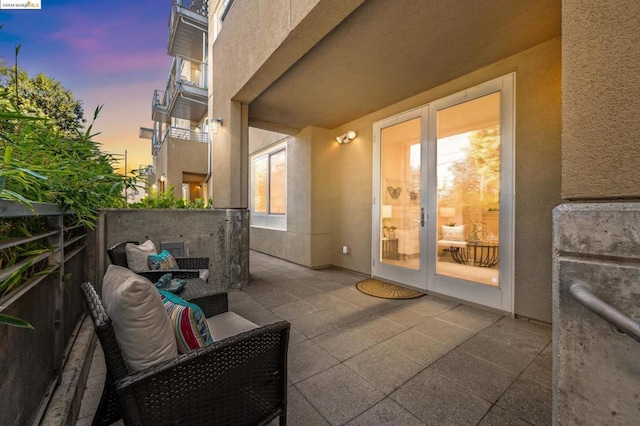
<point x="167" y="200"/>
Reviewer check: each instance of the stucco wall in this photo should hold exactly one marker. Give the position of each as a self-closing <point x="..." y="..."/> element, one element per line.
<point x="247" y="57"/>
<point x="601" y="130"/>
<point x="307" y="239"/>
<point x="177" y="156"/>
<point x="537" y="179"/>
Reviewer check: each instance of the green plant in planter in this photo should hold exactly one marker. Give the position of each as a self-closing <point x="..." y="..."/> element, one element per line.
<point x="167" y="200"/>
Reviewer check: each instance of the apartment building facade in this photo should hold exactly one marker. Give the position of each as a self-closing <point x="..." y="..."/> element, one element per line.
<point x="180" y="143"/>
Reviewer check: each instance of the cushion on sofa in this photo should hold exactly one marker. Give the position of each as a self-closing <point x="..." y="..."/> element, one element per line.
<point x="188" y="322"/>
<point x="139" y="318"/>
<point x="228" y="324"/>
<point x="162" y="261"/>
<point x="453" y="233"/>
<point x="137" y="255"/>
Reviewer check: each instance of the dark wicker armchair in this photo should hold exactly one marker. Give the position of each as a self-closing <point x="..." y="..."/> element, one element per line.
<point x="240" y="380"/>
<point x="188" y="266"/>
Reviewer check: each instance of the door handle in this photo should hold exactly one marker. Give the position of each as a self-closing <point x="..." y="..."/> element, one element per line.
<point x="422" y="217"/>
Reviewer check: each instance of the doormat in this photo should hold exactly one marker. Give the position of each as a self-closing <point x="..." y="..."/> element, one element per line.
<point x="384" y="290"/>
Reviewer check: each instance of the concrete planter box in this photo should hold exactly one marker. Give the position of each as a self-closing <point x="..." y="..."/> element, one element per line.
<point x="220" y="234"/>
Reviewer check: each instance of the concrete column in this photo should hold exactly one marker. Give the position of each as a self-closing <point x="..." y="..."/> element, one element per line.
<point x="596" y="369"/>
<point x="230" y="148"/>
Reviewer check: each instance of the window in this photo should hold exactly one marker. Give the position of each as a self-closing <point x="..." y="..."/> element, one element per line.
<point x="269" y="188"/>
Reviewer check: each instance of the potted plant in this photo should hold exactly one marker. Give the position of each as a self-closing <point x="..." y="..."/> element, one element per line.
<point x="390" y="232"/>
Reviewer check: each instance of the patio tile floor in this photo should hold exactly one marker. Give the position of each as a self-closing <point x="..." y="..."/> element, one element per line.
<point x="359" y="360"/>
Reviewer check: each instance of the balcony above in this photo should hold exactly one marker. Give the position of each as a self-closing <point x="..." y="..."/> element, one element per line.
<point x="188" y="101"/>
<point x="188" y="28"/>
<point x="159" y="110"/>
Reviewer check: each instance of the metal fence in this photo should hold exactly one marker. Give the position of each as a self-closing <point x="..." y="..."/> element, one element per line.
<point x="31" y="361"/>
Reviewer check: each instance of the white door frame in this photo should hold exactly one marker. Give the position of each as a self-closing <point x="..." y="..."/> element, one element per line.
<point x="426" y="279"/>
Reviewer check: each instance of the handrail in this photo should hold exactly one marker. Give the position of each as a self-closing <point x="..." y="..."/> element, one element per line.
<point x="605" y="311"/>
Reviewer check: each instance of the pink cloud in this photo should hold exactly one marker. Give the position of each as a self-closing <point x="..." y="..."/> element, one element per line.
<point x="112" y="45"/>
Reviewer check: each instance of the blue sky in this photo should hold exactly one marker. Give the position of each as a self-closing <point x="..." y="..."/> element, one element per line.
<point x="111" y="53"/>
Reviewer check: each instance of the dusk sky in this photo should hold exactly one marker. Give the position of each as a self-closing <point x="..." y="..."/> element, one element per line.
<point x="111" y="53"/>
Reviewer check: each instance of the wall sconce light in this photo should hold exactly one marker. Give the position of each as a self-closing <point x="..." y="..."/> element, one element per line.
<point x="162" y="178"/>
<point x="347" y="137"/>
<point x="215" y="125"/>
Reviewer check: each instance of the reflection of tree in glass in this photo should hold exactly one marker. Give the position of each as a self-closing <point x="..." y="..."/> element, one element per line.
<point x="476" y="178"/>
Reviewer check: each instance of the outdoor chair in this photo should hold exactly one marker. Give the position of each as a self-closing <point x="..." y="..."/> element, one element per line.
<point x="189" y="267"/>
<point x="238" y="380"/>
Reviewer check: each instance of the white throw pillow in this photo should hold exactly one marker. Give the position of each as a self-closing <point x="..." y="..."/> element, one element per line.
<point x="453" y="233"/>
<point x="140" y="321"/>
<point x="137" y="255"/>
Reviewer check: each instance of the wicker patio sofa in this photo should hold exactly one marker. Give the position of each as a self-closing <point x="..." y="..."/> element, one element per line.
<point x="189" y="267"/>
<point x="239" y="380"/>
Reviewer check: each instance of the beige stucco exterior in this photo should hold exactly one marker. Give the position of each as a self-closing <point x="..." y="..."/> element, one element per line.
<point x="329" y="185"/>
<point x="601" y="147"/>
<point x="177" y="157"/>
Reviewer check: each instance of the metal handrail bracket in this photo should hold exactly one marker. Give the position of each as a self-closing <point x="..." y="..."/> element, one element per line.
<point x="605" y="311"/>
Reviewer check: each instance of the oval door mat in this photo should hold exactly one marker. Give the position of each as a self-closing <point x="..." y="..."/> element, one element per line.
<point x="384" y="290"/>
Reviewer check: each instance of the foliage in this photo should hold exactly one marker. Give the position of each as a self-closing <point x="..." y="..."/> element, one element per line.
<point x="41" y="96"/>
<point x="167" y="200"/>
<point x="53" y="159"/>
<point x="476" y="177"/>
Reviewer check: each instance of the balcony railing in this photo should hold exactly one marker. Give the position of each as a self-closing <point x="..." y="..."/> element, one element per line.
<point x="177" y="133"/>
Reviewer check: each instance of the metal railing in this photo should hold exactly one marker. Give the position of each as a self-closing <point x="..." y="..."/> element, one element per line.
<point x="619" y="320"/>
<point x="187" y="134"/>
<point x="55" y="261"/>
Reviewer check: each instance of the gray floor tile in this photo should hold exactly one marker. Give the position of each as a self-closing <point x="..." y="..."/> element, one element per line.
<point x="370" y="303"/>
<point x="245" y="306"/>
<point x="529" y="401"/>
<point x="431" y="305"/>
<point x="273" y="297"/>
<point x="540" y="370"/>
<point x="299" y="411"/>
<point x="306" y="359"/>
<point x="517" y="332"/>
<point x="417" y="347"/>
<point x="292" y="310"/>
<point x="261" y="316"/>
<point x="315" y="323"/>
<point x="322" y="301"/>
<point x="378" y="328"/>
<point x="296" y="337"/>
<point x="344" y="342"/>
<point x="403" y="314"/>
<point x="479" y="376"/>
<point x="439" y="402"/>
<point x="443" y="331"/>
<point x="301" y="292"/>
<point x="386" y="413"/>
<point x="499" y="417"/>
<point x="384" y="367"/>
<point x="347" y="313"/>
<point x="339" y="394"/>
<point x="498" y="352"/>
<point x="469" y="317"/>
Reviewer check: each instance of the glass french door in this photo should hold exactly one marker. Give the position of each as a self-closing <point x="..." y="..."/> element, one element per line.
<point x="443" y="194"/>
